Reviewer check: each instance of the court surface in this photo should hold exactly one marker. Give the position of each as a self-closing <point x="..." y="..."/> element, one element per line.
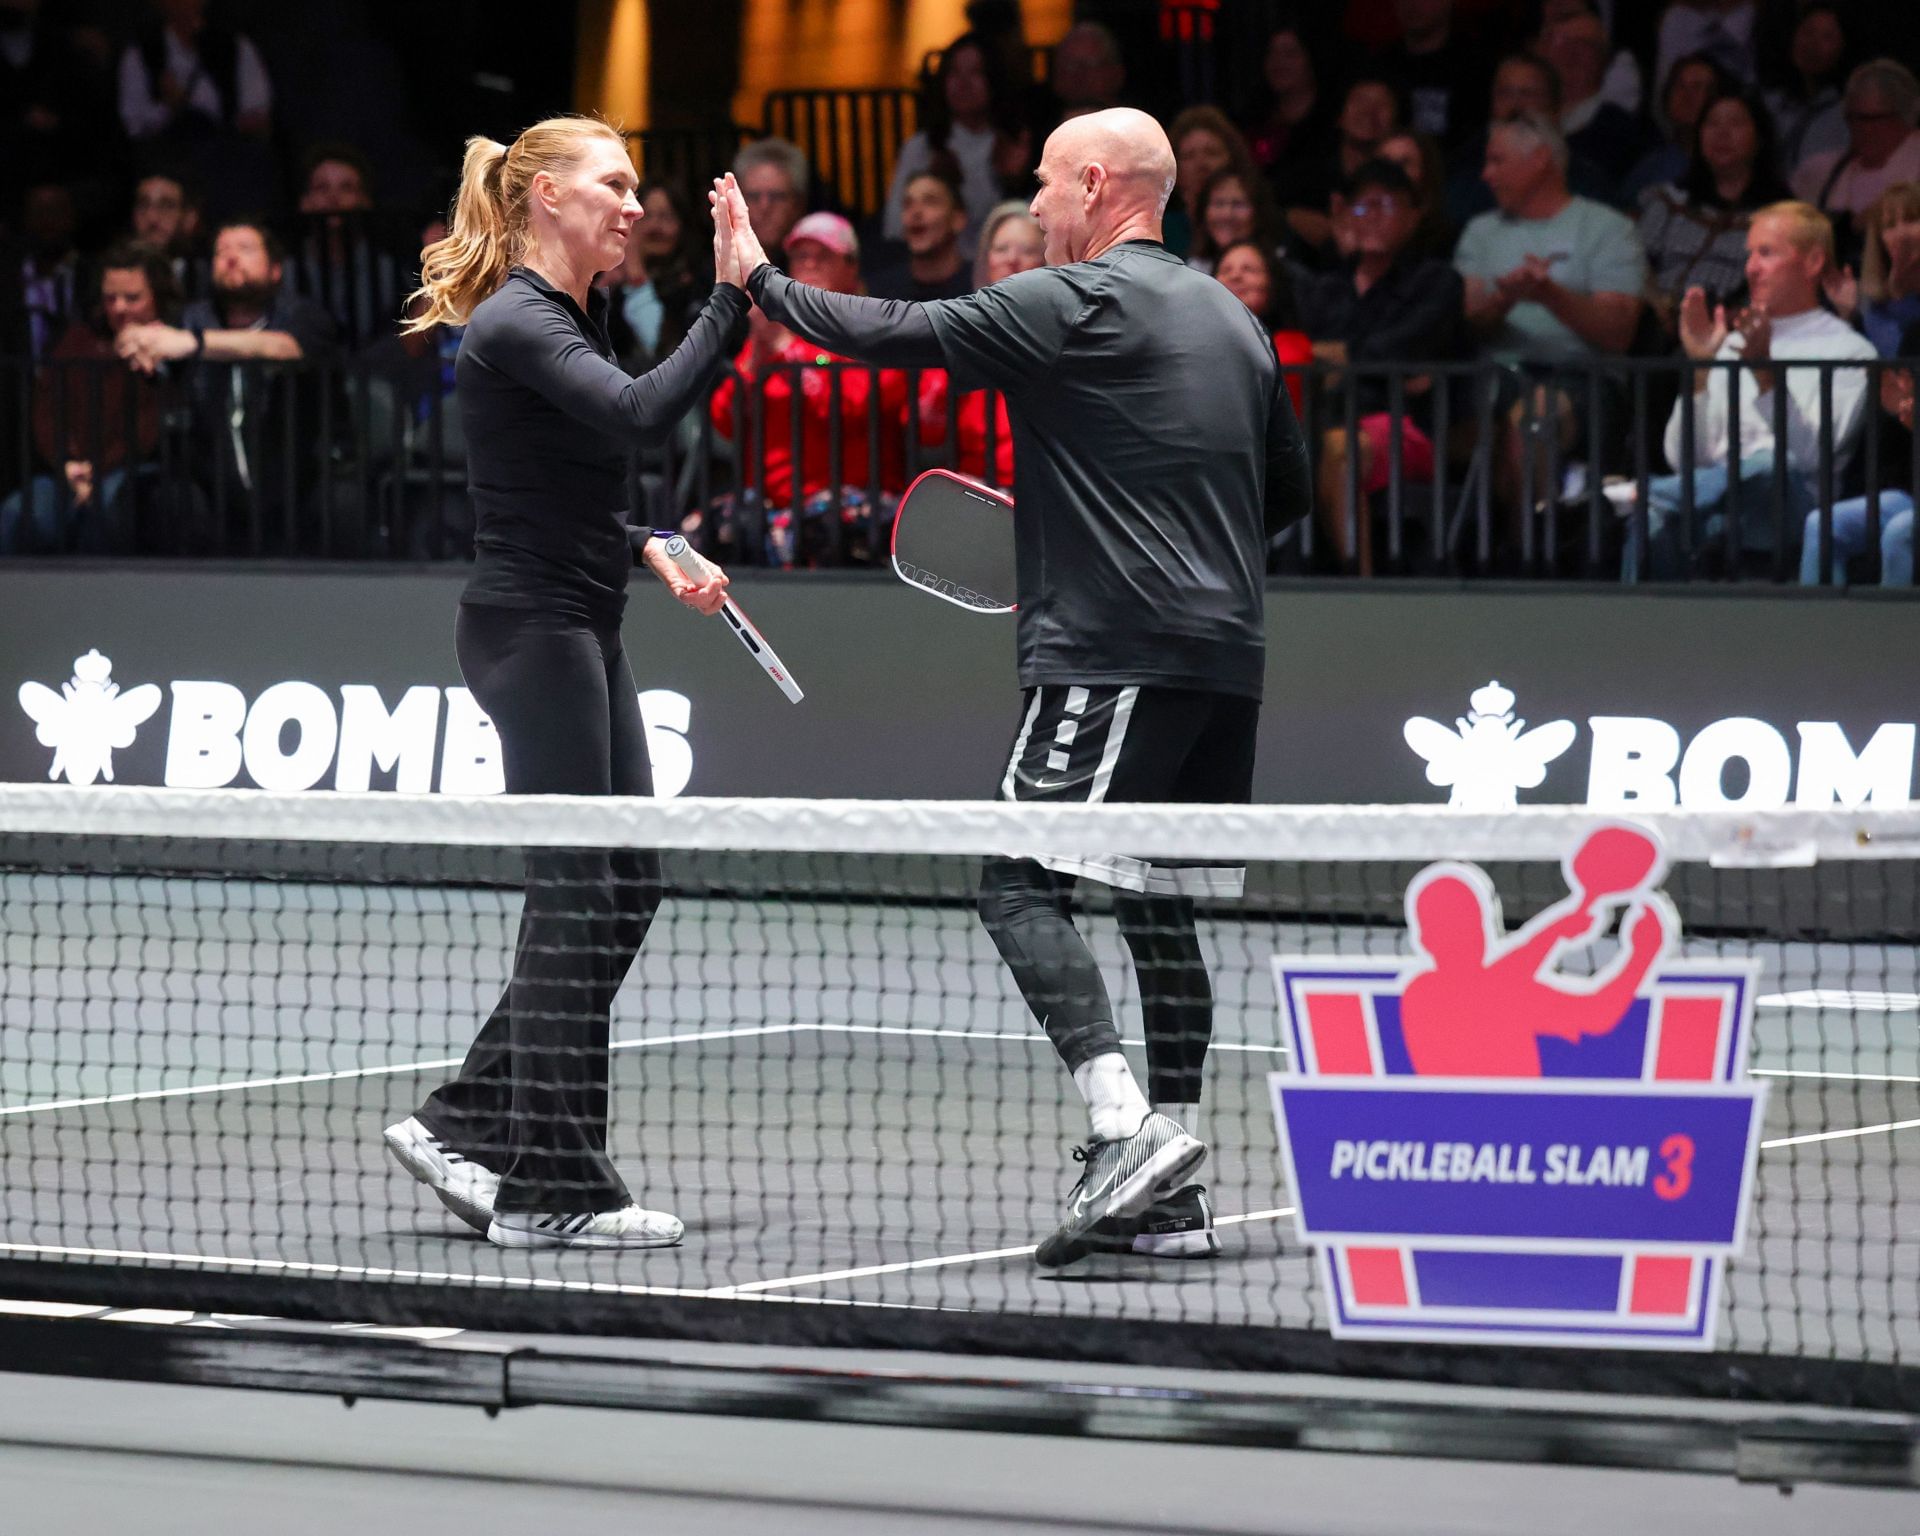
<point x="846" y="1102"/>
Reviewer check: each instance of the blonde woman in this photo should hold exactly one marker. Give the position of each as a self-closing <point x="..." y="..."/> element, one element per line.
<point x="1010" y="242"/>
<point x="516" y="1144"/>
<point x="1885" y="299"/>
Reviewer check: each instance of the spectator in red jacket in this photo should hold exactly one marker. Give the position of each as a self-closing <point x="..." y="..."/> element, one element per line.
<point x="823" y="252"/>
<point x="1010" y="242"/>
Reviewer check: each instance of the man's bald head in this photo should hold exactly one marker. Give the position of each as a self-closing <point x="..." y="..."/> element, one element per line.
<point x="1104" y="177"/>
<point x="1131" y="146"/>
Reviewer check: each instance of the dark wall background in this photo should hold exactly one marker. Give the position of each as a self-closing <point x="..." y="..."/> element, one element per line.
<point x="909" y="697"/>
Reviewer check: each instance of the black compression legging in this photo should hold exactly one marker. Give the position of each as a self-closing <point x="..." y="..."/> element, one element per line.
<point x="531" y="1098"/>
<point x="1028" y="910"/>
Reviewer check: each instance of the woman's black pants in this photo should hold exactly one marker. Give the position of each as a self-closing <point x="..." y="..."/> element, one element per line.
<point x="530" y="1102"/>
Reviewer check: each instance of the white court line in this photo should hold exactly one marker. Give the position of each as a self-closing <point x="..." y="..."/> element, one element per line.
<point x="345" y="1073"/>
<point x="682" y="1037"/>
<point x="761" y="1287"/>
<point x="1864" y="1130"/>
<point x="1848" y="1077"/>
<point x="60" y="1309"/>
<point x="504" y="1282"/>
<point x="1842" y="1000"/>
<point x="307" y="1267"/>
<point x="234" y="1087"/>
<point x="1034" y="1036"/>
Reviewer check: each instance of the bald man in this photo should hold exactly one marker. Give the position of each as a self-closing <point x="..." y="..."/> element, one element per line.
<point x="1158" y="455"/>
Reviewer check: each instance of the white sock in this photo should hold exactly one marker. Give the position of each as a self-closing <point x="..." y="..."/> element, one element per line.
<point x="1183" y="1113"/>
<point x="1114" y="1100"/>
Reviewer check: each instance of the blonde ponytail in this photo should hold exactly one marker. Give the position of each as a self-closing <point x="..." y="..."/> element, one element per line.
<point x="487" y="234"/>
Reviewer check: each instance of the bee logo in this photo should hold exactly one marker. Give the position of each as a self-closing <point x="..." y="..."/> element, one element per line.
<point x="1489" y="757"/>
<point x="88" y="719"/>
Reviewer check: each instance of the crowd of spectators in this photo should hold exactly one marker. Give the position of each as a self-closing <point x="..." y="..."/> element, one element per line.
<point x="162" y="216"/>
<point x="1551" y="197"/>
<point x="1538" y="187"/>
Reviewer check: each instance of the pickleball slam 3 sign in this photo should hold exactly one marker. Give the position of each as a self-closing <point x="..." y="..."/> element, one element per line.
<point x="1489" y="1142"/>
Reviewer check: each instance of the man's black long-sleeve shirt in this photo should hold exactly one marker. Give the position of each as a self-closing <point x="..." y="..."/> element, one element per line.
<point x="549" y="420"/>
<point x="1157" y="454"/>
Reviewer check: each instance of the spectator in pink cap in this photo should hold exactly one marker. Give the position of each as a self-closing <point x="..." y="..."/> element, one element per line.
<point x="824" y="252"/>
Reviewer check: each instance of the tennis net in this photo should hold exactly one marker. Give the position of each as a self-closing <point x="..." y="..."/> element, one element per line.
<point x="211" y="1003"/>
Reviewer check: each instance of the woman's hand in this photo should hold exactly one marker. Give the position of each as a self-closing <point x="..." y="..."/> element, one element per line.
<point x="746" y="244"/>
<point x="704" y="596"/>
<point x="1903" y="257"/>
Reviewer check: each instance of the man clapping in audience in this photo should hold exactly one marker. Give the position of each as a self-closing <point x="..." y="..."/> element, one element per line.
<point x="1551" y="280"/>
<point x="1789" y="247"/>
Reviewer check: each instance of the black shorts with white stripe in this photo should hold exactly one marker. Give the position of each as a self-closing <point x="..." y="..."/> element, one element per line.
<point x="1112" y="743"/>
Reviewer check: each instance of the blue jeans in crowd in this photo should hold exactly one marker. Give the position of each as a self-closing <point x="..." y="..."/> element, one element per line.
<point x="1754" y="535"/>
<point x="46" y="520"/>
<point x="1850" y="539"/>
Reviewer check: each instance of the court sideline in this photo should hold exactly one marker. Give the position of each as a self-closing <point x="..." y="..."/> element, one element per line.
<point x="83" y="1456"/>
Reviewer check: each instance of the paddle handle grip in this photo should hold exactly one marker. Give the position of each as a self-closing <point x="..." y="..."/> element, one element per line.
<point x="695" y="568"/>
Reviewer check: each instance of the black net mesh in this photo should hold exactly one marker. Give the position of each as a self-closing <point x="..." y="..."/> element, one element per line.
<point x="820" y="1063"/>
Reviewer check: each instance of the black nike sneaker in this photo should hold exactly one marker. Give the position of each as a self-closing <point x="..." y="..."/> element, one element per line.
<point x="1176" y="1226"/>
<point x="1122" y="1178"/>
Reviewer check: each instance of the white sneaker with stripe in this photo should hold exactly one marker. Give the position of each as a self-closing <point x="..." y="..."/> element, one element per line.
<point x="461" y="1185"/>
<point x="629" y="1227"/>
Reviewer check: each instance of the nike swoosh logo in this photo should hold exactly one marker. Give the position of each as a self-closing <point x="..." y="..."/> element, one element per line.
<point x="1056" y="784"/>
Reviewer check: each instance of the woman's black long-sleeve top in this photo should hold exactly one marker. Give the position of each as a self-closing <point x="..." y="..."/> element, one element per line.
<point x="549" y="421"/>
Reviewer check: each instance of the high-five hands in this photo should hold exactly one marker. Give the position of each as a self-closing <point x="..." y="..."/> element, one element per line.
<point x="725" y="267"/>
<point x="745" y="252"/>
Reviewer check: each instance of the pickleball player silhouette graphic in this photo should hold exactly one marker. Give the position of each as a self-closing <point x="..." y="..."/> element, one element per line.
<point x="1485" y="1001"/>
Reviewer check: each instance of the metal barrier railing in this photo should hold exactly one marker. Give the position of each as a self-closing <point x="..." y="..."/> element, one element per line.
<point x="852" y="137"/>
<point x="1554" y="471"/>
<point x="1458" y="469"/>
